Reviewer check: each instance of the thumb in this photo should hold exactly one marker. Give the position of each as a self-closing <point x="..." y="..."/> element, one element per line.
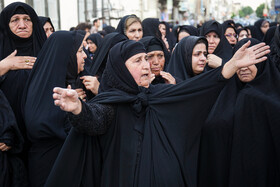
<point x="13" y="54"/>
<point x="69" y="86"/>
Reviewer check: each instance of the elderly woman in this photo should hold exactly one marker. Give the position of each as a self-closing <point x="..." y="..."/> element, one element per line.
<point x="131" y="27"/>
<point x="140" y="131"/>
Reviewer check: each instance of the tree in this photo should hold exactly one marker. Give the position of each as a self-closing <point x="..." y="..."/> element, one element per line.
<point x="245" y="11"/>
<point x="259" y="10"/>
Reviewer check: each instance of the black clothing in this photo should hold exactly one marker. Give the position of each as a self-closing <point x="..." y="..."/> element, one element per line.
<point x="275" y="48"/>
<point x="181" y="60"/>
<point x="224" y="49"/>
<point x="269" y="35"/>
<point x="99" y="62"/>
<point x="151" y="141"/>
<point x="109" y="29"/>
<point x="171" y="39"/>
<point x="258" y="24"/>
<point x="121" y="28"/>
<point x="47" y="126"/>
<point x="97" y="40"/>
<point x="44" y="20"/>
<point x="12" y="170"/>
<point x="189" y="29"/>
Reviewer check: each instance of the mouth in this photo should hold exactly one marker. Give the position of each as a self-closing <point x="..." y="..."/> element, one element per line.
<point x="146" y="75"/>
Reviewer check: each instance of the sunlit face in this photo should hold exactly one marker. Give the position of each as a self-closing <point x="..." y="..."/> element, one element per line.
<point x="231" y="36"/>
<point x="21" y="25"/>
<point x="249" y="33"/>
<point x="81" y="56"/>
<point x="48" y="29"/>
<point x="213" y="41"/>
<point x="139" y="68"/>
<point x="247" y="74"/>
<point x="182" y="35"/>
<point x="91" y="46"/>
<point x="265" y="27"/>
<point x="135" y="31"/>
<point x="199" y="58"/>
<point x="156" y="60"/>
<point x="243" y="34"/>
<point x="162" y="29"/>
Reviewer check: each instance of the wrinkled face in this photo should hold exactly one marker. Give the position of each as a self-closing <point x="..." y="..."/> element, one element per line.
<point x="81" y="56"/>
<point x="48" y="29"/>
<point x="139" y="68"/>
<point x="21" y="25"/>
<point x="265" y="27"/>
<point x="162" y="29"/>
<point x="182" y="35"/>
<point x="156" y="60"/>
<point x="134" y="31"/>
<point x="247" y="74"/>
<point x="213" y="41"/>
<point x="243" y="34"/>
<point x="91" y="46"/>
<point x="231" y="36"/>
<point x="199" y="58"/>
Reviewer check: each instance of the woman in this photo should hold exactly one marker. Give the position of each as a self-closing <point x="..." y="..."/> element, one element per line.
<point x="189" y="57"/>
<point x="47" y="25"/>
<point x="139" y="136"/>
<point x="12" y="172"/>
<point x="262" y="25"/>
<point x="268" y="37"/>
<point x="230" y="34"/>
<point x="46" y="126"/>
<point x="131" y="27"/>
<point x="242" y="33"/>
<point x="219" y="49"/>
<point x="93" y="41"/>
<point x="21" y="38"/>
<point x="156" y="55"/>
<point x="186" y="30"/>
<point x="217" y="133"/>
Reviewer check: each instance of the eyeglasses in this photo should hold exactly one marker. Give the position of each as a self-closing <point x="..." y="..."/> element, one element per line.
<point x="230" y="35"/>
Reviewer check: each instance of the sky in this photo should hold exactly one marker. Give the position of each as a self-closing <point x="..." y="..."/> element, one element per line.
<point x="252" y="3"/>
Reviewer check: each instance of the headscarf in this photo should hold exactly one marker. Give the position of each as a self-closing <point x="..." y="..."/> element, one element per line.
<point x="253" y="30"/>
<point x="150" y="27"/>
<point x="258" y="24"/>
<point x="171" y="39"/>
<point x="181" y="59"/>
<point x="109" y="29"/>
<point x="269" y="35"/>
<point x="99" y="62"/>
<point x="122" y="24"/>
<point x="43" y="119"/>
<point x="44" y="20"/>
<point x="224" y="49"/>
<point x="14" y="81"/>
<point x="189" y="29"/>
<point x="96" y="39"/>
<point x="275" y="48"/>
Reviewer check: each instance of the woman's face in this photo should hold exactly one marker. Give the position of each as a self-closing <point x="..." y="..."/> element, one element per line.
<point x="231" y="36"/>
<point x="139" y="68"/>
<point x="91" y="46"/>
<point x="247" y="74"/>
<point x="199" y="58"/>
<point x="213" y="41"/>
<point x="265" y="27"/>
<point x="134" y="31"/>
<point x="162" y="29"/>
<point x="157" y="61"/>
<point x="182" y="35"/>
<point x="249" y="33"/>
<point x="243" y="34"/>
<point x="81" y="56"/>
<point x="48" y="29"/>
<point x="21" y="25"/>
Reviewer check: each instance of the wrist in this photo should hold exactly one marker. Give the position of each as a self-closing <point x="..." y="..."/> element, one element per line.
<point x="78" y="109"/>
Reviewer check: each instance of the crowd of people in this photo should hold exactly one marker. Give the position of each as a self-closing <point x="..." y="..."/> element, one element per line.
<point x="145" y="104"/>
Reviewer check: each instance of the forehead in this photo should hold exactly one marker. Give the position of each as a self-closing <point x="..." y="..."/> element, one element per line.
<point x="20" y="16"/>
<point x="155" y="52"/>
<point x="135" y="25"/>
<point x="139" y="55"/>
<point x="199" y="47"/>
<point x="230" y="30"/>
<point x="212" y="33"/>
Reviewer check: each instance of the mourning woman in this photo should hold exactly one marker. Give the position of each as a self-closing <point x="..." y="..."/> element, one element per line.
<point x="144" y="133"/>
<point x="189" y="57"/>
<point x="47" y="127"/>
<point x="12" y="170"/>
<point x="219" y="49"/>
<point x="21" y="38"/>
<point x="262" y="25"/>
<point x="156" y="55"/>
<point x="186" y="30"/>
<point x="93" y="41"/>
<point x="131" y="27"/>
<point x="47" y="25"/>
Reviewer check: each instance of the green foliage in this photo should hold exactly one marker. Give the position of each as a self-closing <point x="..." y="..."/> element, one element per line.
<point x="232" y="15"/>
<point x="259" y="10"/>
<point x="245" y="11"/>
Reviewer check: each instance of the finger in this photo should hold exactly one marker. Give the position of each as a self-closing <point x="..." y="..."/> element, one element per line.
<point x="246" y="45"/>
<point x="82" y="77"/>
<point x="260" y="59"/>
<point x="257" y="46"/>
<point x="261" y="54"/>
<point x="69" y="86"/>
<point x="58" y="90"/>
<point x="3" y="146"/>
<point x="56" y="96"/>
<point x="264" y="48"/>
<point x="13" y="53"/>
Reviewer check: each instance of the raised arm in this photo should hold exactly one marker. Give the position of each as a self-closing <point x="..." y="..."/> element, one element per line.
<point x="245" y="57"/>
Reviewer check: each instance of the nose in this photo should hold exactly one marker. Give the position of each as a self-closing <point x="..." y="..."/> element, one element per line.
<point x="211" y="39"/>
<point x="243" y="68"/>
<point x="203" y="57"/>
<point x="21" y="23"/>
<point x="84" y="55"/>
<point x="146" y="64"/>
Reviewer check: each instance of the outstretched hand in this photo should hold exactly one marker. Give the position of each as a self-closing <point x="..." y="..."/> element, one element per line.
<point x="67" y="100"/>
